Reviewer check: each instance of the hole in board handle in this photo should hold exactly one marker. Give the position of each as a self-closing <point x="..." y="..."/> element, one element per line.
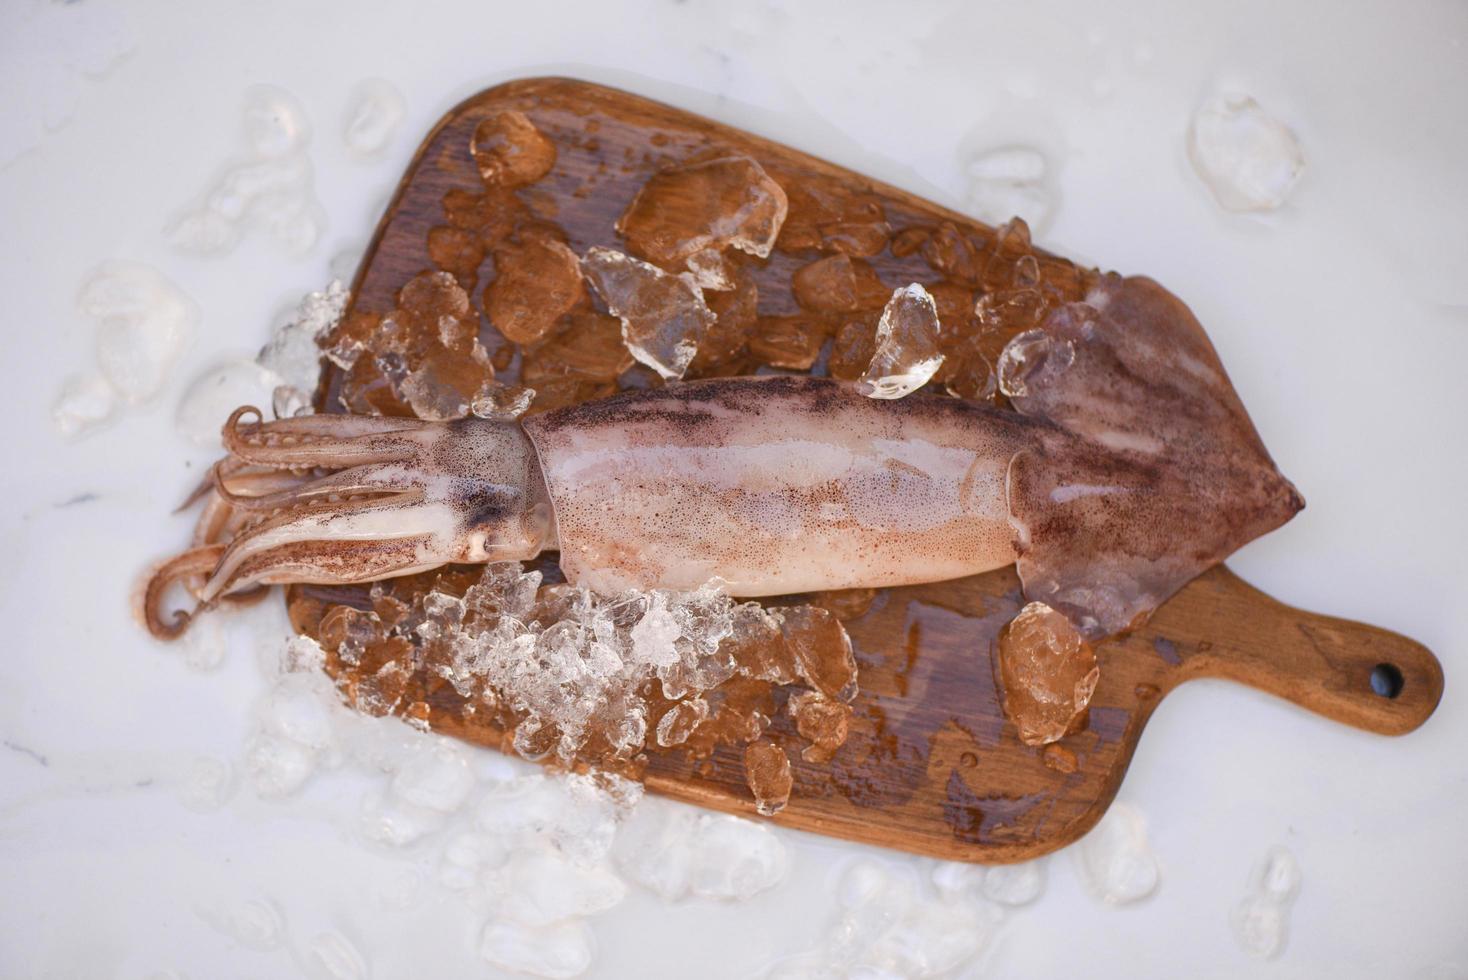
<point x="1386" y="680"/>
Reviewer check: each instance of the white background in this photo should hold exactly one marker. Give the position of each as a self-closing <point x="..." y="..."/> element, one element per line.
<point x="1343" y="319"/>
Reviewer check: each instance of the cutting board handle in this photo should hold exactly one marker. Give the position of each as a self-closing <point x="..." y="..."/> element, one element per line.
<point x="1347" y="671"/>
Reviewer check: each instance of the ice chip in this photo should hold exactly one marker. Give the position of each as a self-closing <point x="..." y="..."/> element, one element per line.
<point x="907" y="354"/>
<point x="822" y="650"/>
<point x="297" y="709"/>
<point x="389" y="819"/>
<point x="1015" y="884"/>
<point x="725" y="202"/>
<point x="84" y="402"/>
<point x="1008" y="182"/>
<point x="1048" y="671"/>
<point x="373" y="115"/>
<point x="735" y="858"/>
<point x="537" y="281"/>
<point x="275" y="123"/>
<point x="257" y="924"/>
<point x="144" y="323"/>
<point x="543" y="887"/>
<point x="558" y="951"/>
<point x="1114" y="861"/>
<point x="509" y="151"/>
<point x="214" y="394"/>
<point x="278" y="766"/>
<point x="663" y="316"/>
<point x="1249" y="160"/>
<point x="826" y="285"/>
<point x="502" y="401"/>
<point x="1032" y="359"/>
<point x="293" y="355"/>
<point x="822" y="721"/>
<point x="332" y="956"/>
<point x="680" y="721"/>
<point x="767" y="771"/>
<point x="710" y="271"/>
<point x="436" y="776"/>
<point x="1261" y="920"/>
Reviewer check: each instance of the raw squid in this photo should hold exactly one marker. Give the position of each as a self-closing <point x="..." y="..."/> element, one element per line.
<point x="1126" y="467"/>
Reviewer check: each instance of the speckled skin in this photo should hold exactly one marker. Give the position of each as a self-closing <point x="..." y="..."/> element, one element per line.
<point x="776" y="485"/>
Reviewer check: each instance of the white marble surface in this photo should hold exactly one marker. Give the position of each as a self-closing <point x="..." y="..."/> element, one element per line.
<point x="1343" y="318"/>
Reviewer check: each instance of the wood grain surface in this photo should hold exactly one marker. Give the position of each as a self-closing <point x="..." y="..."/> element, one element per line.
<point x="931" y="765"/>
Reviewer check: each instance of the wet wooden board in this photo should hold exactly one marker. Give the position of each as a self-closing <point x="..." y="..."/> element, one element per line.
<point x="931" y="766"/>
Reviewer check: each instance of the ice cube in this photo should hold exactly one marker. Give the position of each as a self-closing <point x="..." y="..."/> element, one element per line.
<point x="821" y="648"/>
<point x="144" y="323"/>
<point x="372" y="118"/>
<point x="735" y="858"/>
<point x="558" y="951"/>
<point x="675" y="851"/>
<point x="332" y="956"/>
<point x="84" y="402"/>
<point x="1114" y="861"/>
<point x="297" y="709"/>
<point x="757" y="646"/>
<point x="663" y="316"/>
<point x="293" y="355"/>
<point x="509" y="151"/>
<point x="389" y="819"/>
<point x="1009" y="182"/>
<point x="436" y="776"/>
<point x="680" y="721"/>
<point x="255" y="924"/>
<point x="537" y="281"/>
<point x="539" y="887"/>
<point x="214" y="394"/>
<point x="710" y="271"/>
<point x="907" y="354"/>
<point x="502" y="401"/>
<point x="792" y="342"/>
<point x="822" y="721"/>
<point x="1015" y="884"/>
<point x="275" y="123"/>
<point x="1249" y="160"/>
<point x="1048" y="672"/>
<point x="1261" y="920"/>
<point x="767" y="771"/>
<point x="278" y="766"/>
<point x="725" y="202"/>
<point x="826" y="285"/>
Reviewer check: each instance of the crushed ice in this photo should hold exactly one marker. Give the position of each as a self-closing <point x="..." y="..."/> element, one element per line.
<point x="269" y="187"/>
<point x="293" y="355"/>
<point x="1249" y="159"/>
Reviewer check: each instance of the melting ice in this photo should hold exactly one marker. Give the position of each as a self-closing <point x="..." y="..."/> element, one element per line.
<point x="1249" y="159"/>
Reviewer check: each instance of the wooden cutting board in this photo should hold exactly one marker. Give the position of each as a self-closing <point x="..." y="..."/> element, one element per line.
<point x="931" y="765"/>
